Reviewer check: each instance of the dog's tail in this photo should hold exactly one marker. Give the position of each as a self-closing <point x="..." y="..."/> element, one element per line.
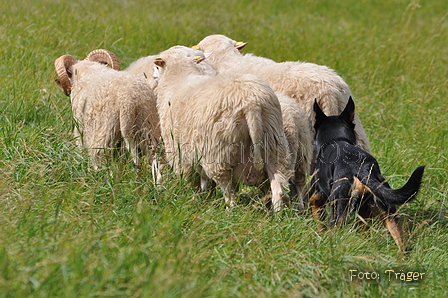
<point x="402" y="195"/>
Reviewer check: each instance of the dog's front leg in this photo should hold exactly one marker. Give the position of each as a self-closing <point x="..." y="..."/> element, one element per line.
<point x="339" y="199"/>
<point x="317" y="202"/>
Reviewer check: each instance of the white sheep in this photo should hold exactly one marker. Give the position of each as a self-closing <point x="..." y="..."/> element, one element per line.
<point x="211" y="124"/>
<point x="143" y="67"/>
<point x="300" y="140"/>
<point x="302" y="81"/>
<point x="109" y="106"/>
<point x="297" y="128"/>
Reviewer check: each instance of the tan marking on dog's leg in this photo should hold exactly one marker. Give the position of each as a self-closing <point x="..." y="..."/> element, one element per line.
<point x="394" y="227"/>
<point x="390" y="221"/>
<point x="359" y="188"/>
<point x="366" y="217"/>
<point x="316" y="204"/>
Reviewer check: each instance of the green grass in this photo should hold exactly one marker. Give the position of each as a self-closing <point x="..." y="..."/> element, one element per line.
<point x="67" y="231"/>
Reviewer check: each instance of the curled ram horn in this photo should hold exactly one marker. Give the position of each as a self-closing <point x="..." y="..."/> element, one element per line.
<point x="104" y="56"/>
<point x="62" y="65"/>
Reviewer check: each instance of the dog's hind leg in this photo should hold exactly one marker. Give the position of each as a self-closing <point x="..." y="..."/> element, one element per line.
<point x="392" y="223"/>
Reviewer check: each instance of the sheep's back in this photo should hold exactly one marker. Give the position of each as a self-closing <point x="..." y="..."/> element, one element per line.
<point x="144" y="68"/>
<point x="213" y="116"/>
<point x="302" y="81"/>
<point x="108" y="97"/>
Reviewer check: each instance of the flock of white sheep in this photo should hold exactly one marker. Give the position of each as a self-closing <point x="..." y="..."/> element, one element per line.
<point x="206" y="109"/>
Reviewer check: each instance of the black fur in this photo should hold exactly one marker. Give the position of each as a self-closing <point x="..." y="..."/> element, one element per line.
<point x="339" y="162"/>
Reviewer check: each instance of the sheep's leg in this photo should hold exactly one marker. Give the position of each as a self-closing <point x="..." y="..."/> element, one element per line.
<point x="203" y="179"/>
<point x="78" y="137"/>
<point x="204" y="183"/>
<point x="131" y="146"/>
<point x="228" y="187"/>
<point x="95" y="159"/>
<point x="296" y="185"/>
<point x="156" y="172"/>
<point x="91" y="150"/>
<point x="278" y="184"/>
<point x="93" y="144"/>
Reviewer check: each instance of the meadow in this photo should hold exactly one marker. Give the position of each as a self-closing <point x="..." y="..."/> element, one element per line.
<point x="68" y="231"/>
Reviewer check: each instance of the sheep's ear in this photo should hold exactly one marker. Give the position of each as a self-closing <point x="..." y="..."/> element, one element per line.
<point x="198" y="59"/>
<point x="349" y="112"/>
<point x="159" y="62"/>
<point x="319" y="115"/>
<point x="240" y="45"/>
<point x="196" y="47"/>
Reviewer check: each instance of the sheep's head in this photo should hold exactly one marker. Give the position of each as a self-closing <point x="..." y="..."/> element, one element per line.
<point x="181" y="58"/>
<point x="64" y="66"/>
<point x="218" y="43"/>
<point x="104" y="57"/>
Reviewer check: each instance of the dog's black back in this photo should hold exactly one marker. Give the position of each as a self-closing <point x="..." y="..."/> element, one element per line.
<point x="340" y="166"/>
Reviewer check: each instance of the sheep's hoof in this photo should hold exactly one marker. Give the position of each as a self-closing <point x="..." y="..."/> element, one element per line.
<point x="230" y="202"/>
<point x="298" y="205"/>
<point x="285" y="202"/>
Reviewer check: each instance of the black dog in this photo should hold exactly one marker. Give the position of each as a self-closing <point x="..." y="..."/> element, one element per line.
<point x="349" y="178"/>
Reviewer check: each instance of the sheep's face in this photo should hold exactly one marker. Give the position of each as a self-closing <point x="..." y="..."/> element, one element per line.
<point x="220" y="44"/>
<point x="156" y="73"/>
<point x="70" y="70"/>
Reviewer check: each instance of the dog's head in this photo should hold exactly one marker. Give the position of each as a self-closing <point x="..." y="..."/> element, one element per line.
<point x="335" y="128"/>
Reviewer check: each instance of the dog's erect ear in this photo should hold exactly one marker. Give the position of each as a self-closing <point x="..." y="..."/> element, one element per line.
<point x="348" y="114"/>
<point x="320" y="116"/>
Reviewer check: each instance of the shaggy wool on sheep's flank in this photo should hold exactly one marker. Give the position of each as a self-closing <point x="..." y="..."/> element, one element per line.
<point x="227" y="127"/>
<point x="297" y="128"/>
<point x="105" y="119"/>
<point x="143" y="68"/>
<point x="300" y="141"/>
<point x="299" y="80"/>
<point x="111" y="107"/>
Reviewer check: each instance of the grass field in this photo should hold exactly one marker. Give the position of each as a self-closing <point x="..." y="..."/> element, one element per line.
<point x="67" y="231"/>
